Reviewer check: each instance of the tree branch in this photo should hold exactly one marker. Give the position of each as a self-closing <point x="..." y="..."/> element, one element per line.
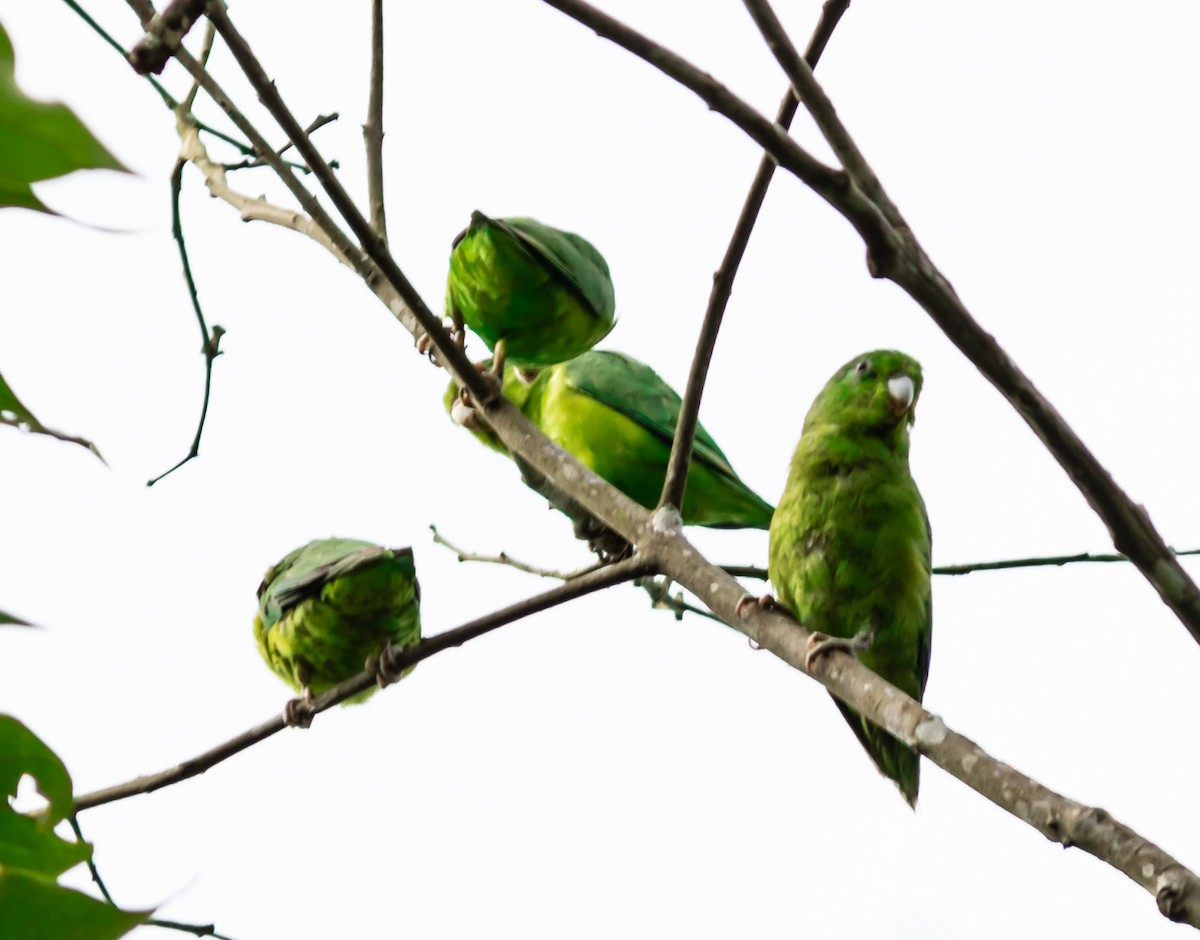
<point x="1046" y="561"/>
<point x="689" y="411"/>
<point x="894" y="253"/>
<point x="506" y="560"/>
<point x="210" y="342"/>
<point x="1176" y="889"/>
<point x="373" y="128"/>
<point x="373" y="244"/>
<point x="404" y="657"/>
<point x="164" y="35"/>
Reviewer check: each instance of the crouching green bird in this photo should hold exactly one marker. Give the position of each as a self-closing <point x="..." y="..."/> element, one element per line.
<point x="535" y="295"/>
<point x="616" y="416"/>
<point x="850" y="542"/>
<point x="331" y="606"/>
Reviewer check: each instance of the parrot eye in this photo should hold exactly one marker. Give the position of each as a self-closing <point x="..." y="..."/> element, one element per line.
<point x="864" y="368"/>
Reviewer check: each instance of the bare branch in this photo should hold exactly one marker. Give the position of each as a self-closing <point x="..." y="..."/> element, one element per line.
<point x="164" y="35"/>
<point x="448" y="351"/>
<point x="210" y="342"/>
<point x="507" y="561"/>
<point x="689" y="412"/>
<point x="206" y="47"/>
<point x="405" y="657"/>
<point x="894" y="253"/>
<point x="1046" y="561"/>
<point x="199" y="930"/>
<point x="1071" y="824"/>
<point x="373" y="128"/>
<point x="661" y="598"/>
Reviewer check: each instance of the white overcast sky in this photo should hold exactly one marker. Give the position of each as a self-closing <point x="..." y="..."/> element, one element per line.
<point x="602" y="770"/>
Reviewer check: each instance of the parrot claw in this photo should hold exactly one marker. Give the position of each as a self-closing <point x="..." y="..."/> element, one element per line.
<point x="298" y="713"/>
<point x="499" y="354"/>
<point x="384" y="667"/>
<point x="820" y="643"/>
<point x="764" y="602"/>
<point x="374" y="665"/>
<point x="458" y="329"/>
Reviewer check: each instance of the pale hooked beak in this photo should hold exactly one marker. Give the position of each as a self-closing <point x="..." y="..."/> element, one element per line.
<point x="462" y="413"/>
<point x="902" y="391"/>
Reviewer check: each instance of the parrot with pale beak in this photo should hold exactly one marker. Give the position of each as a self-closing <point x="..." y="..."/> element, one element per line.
<point x="850" y="544"/>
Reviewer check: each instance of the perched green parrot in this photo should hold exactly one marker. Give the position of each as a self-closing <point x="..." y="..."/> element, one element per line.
<point x="329" y="607"/>
<point x="536" y="295"/>
<point x="850" y="542"/>
<point x="616" y="416"/>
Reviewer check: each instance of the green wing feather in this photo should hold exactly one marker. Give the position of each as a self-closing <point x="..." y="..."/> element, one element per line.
<point x="576" y="261"/>
<point x="616" y="416"/>
<point x="635" y="390"/>
<point x="850" y="542"/>
<point x="545" y="293"/>
<point x="329" y="605"/>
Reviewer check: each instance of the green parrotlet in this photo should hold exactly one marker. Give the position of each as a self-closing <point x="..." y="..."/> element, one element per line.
<point x="535" y="295"/>
<point x="329" y="607"/>
<point x="850" y="541"/>
<point x="616" y="416"/>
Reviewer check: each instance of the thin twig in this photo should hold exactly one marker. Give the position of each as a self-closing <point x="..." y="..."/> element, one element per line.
<point x="508" y="561"/>
<point x="373" y="128"/>
<point x="408" y="656"/>
<point x="91" y="864"/>
<point x="894" y="253"/>
<point x="206" y="47"/>
<point x="199" y="930"/>
<point x="313" y="126"/>
<point x="1051" y="560"/>
<point x="689" y="412"/>
<point x="210" y="341"/>
<point x="166" y="96"/>
<point x="659" y="590"/>
<point x="1047" y="561"/>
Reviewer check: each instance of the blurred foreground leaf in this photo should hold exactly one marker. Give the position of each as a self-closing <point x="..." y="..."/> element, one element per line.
<point x="33" y="906"/>
<point x="39" y="140"/>
<point x="38" y="908"/>
<point x="29" y="842"/>
<point x="16" y="415"/>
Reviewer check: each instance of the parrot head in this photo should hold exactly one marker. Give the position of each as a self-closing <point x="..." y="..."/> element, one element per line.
<point x="875" y="393"/>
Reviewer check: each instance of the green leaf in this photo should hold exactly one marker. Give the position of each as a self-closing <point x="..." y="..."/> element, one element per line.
<point x="16" y="415"/>
<point x="10" y="620"/>
<point x="36" y="908"/>
<point x="39" y="140"/>
<point x="26" y="841"/>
